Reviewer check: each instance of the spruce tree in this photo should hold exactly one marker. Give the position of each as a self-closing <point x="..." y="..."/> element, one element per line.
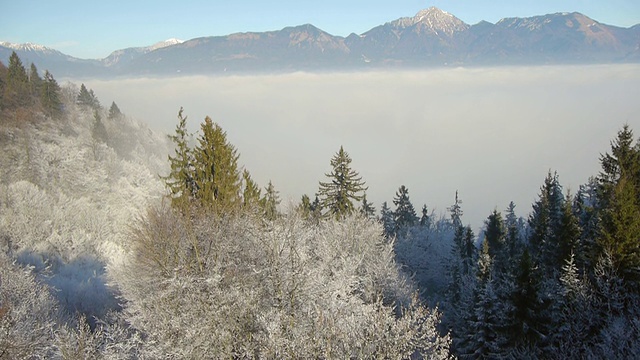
<point x="251" y="192"/>
<point x="619" y="200"/>
<point x="270" y="202"/>
<point x="544" y="222"/>
<point x="386" y="218"/>
<point x="99" y="132"/>
<point x="50" y="96"/>
<point x="217" y="178"/>
<point x="343" y="188"/>
<point x="425" y="219"/>
<point x="87" y="98"/>
<point x="181" y="179"/>
<point x="114" y="111"/>
<point x="35" y="81"/>
<point x="404" y="215"/>
<point x="456" y="212"/>
<point x="16" y="92"/>
<point x="367" y="209"/>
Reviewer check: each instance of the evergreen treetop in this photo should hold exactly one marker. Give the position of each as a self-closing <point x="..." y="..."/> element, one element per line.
<point x="345" y="187"/>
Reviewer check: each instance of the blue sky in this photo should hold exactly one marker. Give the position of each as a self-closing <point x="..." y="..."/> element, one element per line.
<point x="93" y="29"/>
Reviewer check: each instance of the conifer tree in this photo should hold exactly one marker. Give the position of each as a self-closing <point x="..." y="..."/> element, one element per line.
<point x="251" y="192"/>
<point x="50" y="95"/>
<point x="544" y="222"/>
<point x="425" y="219"/>
<point x="99" y="132"/>
<point x="568" y="233"/>
<point x="456" y="212"/>
<point x="217" y="178"/>
<point x="87" y="98"/>
<point x="405" y="215"/>
<point x="181" y="179"/>
<point x="343" y="188"/>
<point x="621" y="230"/>
<point x="270" y="202"/>
<point x="529" y="308"/>
<point x="495" y="234"/>
<point x="386" y="217"/>
<point x="367" y="209"/>
<point x="35" y="81"/>
<point x="114" y="111"/>
<point x="16" y="93"/>
<point x="619" y="197"/>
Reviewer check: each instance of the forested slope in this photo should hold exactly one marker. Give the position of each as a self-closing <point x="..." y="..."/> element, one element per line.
<point x="110" y="250"/>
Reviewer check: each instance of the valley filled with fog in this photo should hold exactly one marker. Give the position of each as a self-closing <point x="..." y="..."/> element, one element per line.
<point x="490" y="133"/>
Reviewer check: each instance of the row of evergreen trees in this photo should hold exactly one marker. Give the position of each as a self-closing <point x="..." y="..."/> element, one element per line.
<point x="564" y="283"/>
<point x="208" y="177"/>
<point x="22" y="88"/>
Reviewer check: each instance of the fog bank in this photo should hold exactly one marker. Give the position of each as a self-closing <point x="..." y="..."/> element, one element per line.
<point x="491" y="133"/>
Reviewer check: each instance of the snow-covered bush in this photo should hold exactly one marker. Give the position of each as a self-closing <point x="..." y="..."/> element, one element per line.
<point x="239" y="286"/>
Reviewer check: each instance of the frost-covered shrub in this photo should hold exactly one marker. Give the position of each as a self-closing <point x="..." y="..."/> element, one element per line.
<point x="28" y="314"/>
<point x="239" y="286"/>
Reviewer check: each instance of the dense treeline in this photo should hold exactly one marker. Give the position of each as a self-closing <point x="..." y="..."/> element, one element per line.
<point x="563" y="283"/>
<point x="103" y="258"/>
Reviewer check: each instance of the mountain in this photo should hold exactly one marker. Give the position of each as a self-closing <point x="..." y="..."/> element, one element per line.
<point x="120" y="58"/>
<point x="46" y="58"/>
<point x="430" y="38"/>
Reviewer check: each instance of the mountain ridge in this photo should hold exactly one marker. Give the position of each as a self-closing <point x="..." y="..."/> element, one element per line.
<point x="432" y="37"/>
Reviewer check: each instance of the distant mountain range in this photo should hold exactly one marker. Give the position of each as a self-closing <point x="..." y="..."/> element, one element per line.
<point x="430" y="38"/>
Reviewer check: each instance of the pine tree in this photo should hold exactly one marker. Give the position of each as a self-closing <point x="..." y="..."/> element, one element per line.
<point x="344" y="187"/>
<point x="181" y="179"/>
<point x="217" y="178"/>
<point x="50" y="96"/>
<point x="405" y="215"/>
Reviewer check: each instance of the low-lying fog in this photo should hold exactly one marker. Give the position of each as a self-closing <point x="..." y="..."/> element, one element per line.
<point x="490" y="133"/>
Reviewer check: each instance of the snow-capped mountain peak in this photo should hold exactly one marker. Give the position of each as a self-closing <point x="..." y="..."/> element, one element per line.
<point x="433" y="19"/>
<point x="27" y="47"/>
<point x="165" y="43"/>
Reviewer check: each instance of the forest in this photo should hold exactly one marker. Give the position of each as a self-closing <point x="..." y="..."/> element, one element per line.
<point x="119" y="242"/>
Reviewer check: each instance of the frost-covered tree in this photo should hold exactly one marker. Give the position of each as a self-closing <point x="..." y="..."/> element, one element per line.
<point x="387" y="220"/>
<point x="280" y="289"/>
<point x="404" y="216"/>
<point x="344" y="187"/>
